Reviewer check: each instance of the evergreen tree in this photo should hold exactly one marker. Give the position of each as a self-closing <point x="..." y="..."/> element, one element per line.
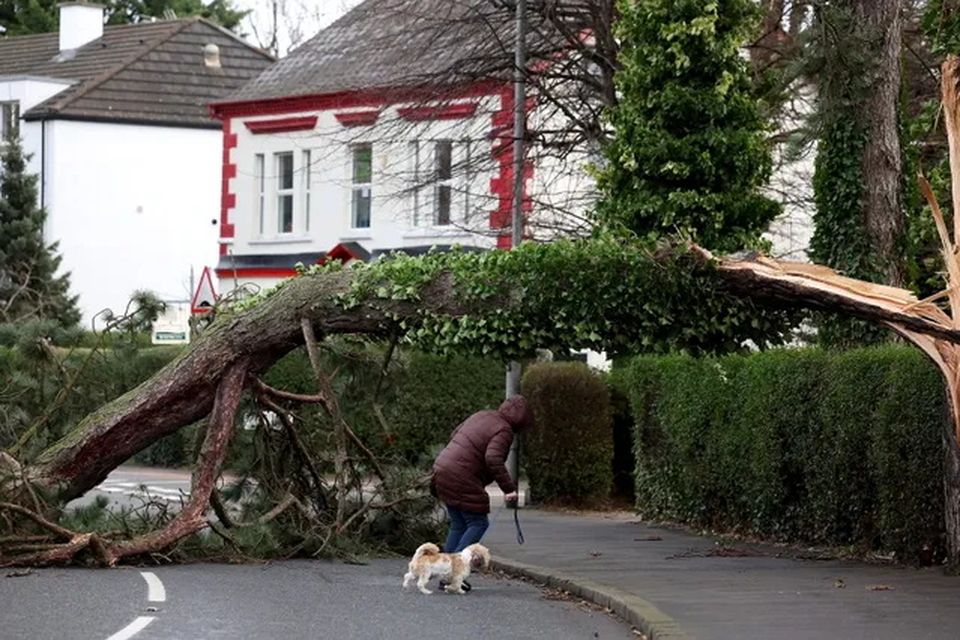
<point x="689" y="150"/>
<point x="30" y="288"/>
<point x="20" y="17"/>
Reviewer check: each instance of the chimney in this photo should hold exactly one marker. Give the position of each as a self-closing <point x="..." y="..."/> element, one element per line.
<point x="211" y="56"/>
<point x="80" y="22"/>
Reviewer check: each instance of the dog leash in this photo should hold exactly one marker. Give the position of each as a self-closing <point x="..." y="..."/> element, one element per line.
<point x="516" y="522"/>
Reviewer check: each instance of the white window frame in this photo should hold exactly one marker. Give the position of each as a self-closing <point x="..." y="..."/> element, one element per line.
<point x="414" y="148"/>
<point x="305" y="185"/>
<point x="260" y="180"/>
<point x="359" y="187"/>
<point x="468" y="176"/>
<point x="285" y="192"/>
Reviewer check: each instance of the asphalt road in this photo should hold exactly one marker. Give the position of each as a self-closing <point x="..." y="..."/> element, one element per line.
<point x="290" y="600"/>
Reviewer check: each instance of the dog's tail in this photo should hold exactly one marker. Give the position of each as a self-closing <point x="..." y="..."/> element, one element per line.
<point x="426" y="549"/>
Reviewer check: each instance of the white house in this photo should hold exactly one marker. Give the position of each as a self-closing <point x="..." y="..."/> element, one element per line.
<point x="354" y="146"/>
<point x="129" y="158"/>
<point x="362" y="142"/>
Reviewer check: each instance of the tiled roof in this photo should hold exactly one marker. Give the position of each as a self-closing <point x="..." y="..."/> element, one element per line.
<point x="149" y="72"/>
<point x="393" y="43"/>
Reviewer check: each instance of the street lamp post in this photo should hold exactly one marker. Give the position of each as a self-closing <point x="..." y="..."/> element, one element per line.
<point x="516" y="235"/>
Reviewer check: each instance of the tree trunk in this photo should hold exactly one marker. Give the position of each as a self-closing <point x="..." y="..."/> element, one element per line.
<point x="183" y="392"/>
<point x="882" y="160"/>
<point x="951" y="482"/>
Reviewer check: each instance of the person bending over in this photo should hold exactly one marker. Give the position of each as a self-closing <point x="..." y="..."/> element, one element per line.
<point x="476" y="456"/>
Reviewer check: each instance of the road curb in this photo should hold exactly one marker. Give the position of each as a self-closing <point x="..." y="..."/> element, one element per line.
<point x="640" y="613"/>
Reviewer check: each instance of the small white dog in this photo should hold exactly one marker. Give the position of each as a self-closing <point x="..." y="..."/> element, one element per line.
<point x="428" y="561"/>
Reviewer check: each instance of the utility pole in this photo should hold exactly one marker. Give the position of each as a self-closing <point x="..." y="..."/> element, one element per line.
<point x="516" y="236"/>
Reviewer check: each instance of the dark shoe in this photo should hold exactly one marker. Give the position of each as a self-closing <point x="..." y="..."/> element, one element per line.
<point x="466" y="586"/>
<point x="443" y="585"/>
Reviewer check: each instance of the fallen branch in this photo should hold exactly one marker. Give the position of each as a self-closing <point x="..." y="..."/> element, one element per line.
<point x="55" y="529"/>
<point x="192" y="517"/>
<point x="288" y="395"/>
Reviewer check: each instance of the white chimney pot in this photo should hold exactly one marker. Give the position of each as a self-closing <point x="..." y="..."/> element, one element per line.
<point x="80" y="23"/>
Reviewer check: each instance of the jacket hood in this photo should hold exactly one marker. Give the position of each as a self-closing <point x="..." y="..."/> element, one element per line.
<point x="516" y="410"/>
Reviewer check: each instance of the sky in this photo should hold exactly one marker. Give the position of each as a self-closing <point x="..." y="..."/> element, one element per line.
<point x="297" y="20"/>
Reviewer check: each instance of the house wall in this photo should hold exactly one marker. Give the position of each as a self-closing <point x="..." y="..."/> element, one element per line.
<point x="401" y="214"/>
<point x="133" y="207"/>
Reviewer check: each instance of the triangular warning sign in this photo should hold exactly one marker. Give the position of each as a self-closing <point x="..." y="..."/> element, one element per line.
<point x="204" y="297"/>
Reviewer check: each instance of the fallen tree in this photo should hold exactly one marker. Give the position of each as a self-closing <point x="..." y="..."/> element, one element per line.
<point x="599" y="293"/>
<point x="603" y="293"/>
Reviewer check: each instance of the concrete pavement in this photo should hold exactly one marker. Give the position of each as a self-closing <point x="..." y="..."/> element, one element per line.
<point x="686" y="586"/>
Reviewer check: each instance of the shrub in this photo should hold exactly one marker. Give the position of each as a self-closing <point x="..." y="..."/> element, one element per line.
<point x="433" y="394"/>
<point x="569" y="451"/>
<point x="31" y="382"/>
<point x="422" y="400"/>
<point x="806" y="445"/>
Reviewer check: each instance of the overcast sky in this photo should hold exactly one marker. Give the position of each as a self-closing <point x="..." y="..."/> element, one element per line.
<point x="297" y="20"/>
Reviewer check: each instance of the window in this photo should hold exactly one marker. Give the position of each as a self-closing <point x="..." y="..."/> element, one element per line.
<point x="260" y="181"/>
<point x="443" y="190"/>
<point x="9" y="121"/>
<point x="284" y="163"/>
<point x="362" y="181"/>
<point x="468" y="176"/>
<point x="305" y="176"/>
<point x="415" y="180"/>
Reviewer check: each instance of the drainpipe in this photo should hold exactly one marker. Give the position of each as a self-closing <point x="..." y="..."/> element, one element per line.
<point x="43" y="163"/>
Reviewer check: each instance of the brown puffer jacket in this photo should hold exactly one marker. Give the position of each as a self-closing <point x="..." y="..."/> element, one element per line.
<point x="476" y="456"/>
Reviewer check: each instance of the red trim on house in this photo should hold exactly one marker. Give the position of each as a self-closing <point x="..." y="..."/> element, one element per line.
<point x="351" y="99"/>
<point x="501" y="186"/>
<point x="228" y="199"/>
<point x="281" y="125"/>
<point x="340" y="253"/>
<point x="357" y="118"/>
<point x="257" y="272"/>
<point x="442" y="112"/>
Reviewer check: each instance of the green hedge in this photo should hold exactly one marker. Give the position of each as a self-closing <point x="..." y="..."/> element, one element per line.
<point x="806" y="445"/>
<point x="568" y="453"/>
<point x="423" y="398"/>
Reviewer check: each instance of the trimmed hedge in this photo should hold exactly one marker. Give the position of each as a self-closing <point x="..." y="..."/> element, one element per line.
<point x="805" y="445"/>
<point x="568" y="453"/>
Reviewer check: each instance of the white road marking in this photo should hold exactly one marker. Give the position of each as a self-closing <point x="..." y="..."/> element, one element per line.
<point x="132" y="629"/>
<point x="170" y="495"/>
<point x="155" y="590"/>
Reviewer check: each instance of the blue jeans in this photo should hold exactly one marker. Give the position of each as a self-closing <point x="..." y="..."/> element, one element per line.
<point x="466" y="528"/>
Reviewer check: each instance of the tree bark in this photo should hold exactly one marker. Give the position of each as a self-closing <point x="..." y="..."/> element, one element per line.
<point x="882" y="164"/>
<point x="951" y="481"/>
